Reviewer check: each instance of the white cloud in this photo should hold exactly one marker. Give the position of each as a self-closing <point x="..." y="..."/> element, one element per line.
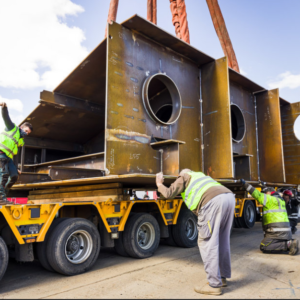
<point x="15" y="107"/>
<point x="285" y="80"/>
<point x="13" y="104"/>
<point x="243" y="72"/>
<point x="38" y="48"/>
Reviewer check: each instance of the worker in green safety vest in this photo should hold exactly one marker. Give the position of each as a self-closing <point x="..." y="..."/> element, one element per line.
<point x="214" y="205"/>
<point x="10" y="140"/>
<point x="276" y="225"/>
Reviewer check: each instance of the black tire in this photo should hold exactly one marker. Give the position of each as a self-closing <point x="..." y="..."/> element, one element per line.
<point x="170" y="240"/>
<point x="119" y="246"/>
<point x="185" y="232"/>
<point x="41" y="248"/>
<point x="141" y="242"/>
<point x="4" y="257"/>
<point x="241" y="223"/>
<point x="69" y="235"/>
<point x="249" y="215"/>
<point x="236" y="223"/>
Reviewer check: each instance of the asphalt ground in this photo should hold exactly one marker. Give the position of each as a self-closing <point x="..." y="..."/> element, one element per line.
<point x="171" y="273"/>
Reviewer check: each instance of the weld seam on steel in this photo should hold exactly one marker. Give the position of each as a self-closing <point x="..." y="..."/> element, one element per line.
<point x="201" y="120"/>
<point x="255" y="108"/>
<point x="212" y="112"/>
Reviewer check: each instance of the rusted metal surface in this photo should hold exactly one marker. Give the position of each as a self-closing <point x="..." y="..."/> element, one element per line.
<point x="270" y="137"/>
<point x="291" y="145"/>
<point x="218" y="160"/>
<point x="112" y="13"/>
<point x="162" y="37"/>
<point x="152" y="11"/>
<point x="65" y="173"/>
<point x="31" y="178"/>
<point x="151" y="103"/>
<point x="222" y="32"/>
<point x="243" y="81"/>
<point x="62" y="123"/>
<point x="83" y="106"/>
<point x="179" y="19"/>
<point x="87" y="81"/>
<point x="129" y="127"/>
<point x="134" y="180"/>
<point x="32" y="142"/>
<point x="242" y="167"/>
<point x="244" y="99"/>
<point x="91" y="161"/>
<point x="141" y="181"/>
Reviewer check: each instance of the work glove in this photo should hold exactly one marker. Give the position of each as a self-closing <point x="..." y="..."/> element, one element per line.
<point x="243" y="182"/>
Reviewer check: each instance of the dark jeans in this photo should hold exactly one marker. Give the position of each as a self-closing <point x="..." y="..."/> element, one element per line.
<point x="8" y="175"/>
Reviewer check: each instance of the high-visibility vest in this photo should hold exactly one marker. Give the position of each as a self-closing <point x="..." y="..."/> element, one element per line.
<point x="10" y="141"/>
<point x="274" y="212"/>
<point x="197" y="186"/>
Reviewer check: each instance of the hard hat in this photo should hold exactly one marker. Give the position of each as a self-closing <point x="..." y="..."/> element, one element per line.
<point x="288" y="193"/>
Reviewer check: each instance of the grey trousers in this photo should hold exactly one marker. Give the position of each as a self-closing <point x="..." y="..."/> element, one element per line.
<point x="269" y="245"/>
<point x="214" y="226"/>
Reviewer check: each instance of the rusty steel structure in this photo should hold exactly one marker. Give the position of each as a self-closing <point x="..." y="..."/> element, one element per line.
<point x="143" y="102"/>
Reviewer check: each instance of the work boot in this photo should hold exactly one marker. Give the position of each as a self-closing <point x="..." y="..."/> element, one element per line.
<point x="293" y="247"/>
<point x="224" y="282"/>
<point x="208" y="290"/>
<point x="294" y="229"/>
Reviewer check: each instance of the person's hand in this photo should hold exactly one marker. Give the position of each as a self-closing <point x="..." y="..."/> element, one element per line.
<point x="3" y="104"/>
<point x="242" y="181"/>
<point x="19" y="172"/>
<point x="159" y="179"/>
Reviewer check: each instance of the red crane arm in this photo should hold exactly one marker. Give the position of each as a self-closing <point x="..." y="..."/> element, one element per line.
<point x="179" y="19"/>
<point x="112" y="13"/>
<point x="222" y="32"/>
<point x="152" y="11"/>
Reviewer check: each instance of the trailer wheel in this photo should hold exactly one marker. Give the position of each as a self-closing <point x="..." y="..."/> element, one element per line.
<point x="185" y="232"/>
<point x="4" y="257"/>
<point x="73" y="246"/>
<point x="41" y="248"/>
<point x="119" y="246"/>
<point x="247" y="220"/>
<point x="141" y="236"/>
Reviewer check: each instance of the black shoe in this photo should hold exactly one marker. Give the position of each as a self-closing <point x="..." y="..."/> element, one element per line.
<point x="294" y="229"/>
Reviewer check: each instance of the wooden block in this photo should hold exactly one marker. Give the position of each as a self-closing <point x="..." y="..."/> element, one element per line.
<point x="77" y="188"/>
<point x="85" y="199"/>
<point x="77" y="194"/>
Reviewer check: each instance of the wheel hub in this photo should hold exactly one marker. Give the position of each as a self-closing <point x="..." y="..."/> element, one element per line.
<point x="73" y="245"/>
<point x="146" y="236"/>
<point x="78" y="247"/>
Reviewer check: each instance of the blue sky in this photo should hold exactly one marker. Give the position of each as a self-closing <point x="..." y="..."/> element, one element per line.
<point x="42" y="41"/>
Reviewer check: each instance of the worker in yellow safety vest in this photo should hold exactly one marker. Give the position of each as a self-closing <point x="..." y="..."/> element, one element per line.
<point x="214" y="205"/>
<point x="10" y="139"/>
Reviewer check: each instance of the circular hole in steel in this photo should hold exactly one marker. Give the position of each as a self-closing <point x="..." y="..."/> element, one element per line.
<point x="162" y="99"/>
<point x="238" y="124"/>
<point x="297" y="128"/>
